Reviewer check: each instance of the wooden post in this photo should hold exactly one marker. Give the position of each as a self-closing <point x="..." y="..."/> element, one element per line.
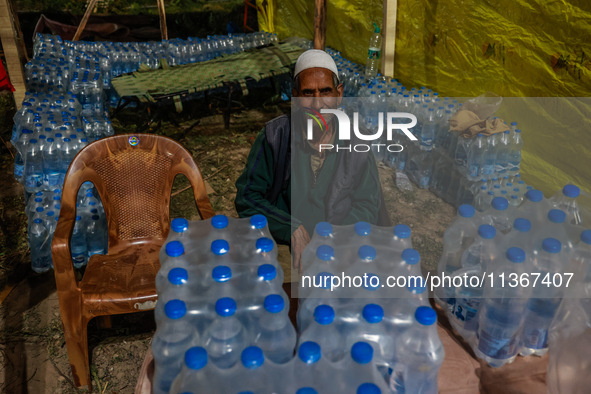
<point x="84" y="21"/>
<point x="162" y="12"/>
<point x="14" y="50"/>
<point x="389" y="37"/>
<point x="319" y="24"/>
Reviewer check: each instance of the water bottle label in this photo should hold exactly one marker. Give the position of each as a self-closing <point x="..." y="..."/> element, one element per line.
<point x="534" y="337"/>
<point x="497" y="347"/>
<point x="18" y="170"/>
<point x="373" y="54"/>
<point x="465" y="311"/>
<point x="53" y="179"/>
<point x="34" y="180"/>
<point x="14" y="136"/>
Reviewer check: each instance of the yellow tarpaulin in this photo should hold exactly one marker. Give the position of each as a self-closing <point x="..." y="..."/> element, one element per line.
<point x="524" y="48"/>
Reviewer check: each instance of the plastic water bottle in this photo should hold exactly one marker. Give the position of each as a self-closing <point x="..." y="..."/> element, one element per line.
<point x="373" y="330"/>
<point x="519" y="236"/>
<point x="276" y="335"/>
<point x="226" y="336"/>
<point x="52" y="158"/>
<point x="428" y="131"/>
<point x="78" y="244"/>
<point x="514" y="155"/>
<point x="502" y="312"/>
<point x="324" y="330"/>
<point x="540" y="310"/>
<point x="253" y="373"/>
<point x="456" y="239"/>
<point x="33" y="167"/>
<point x="534" y="208"/>
<point x="373" y="54"/>
<point x="170" y="342"/>
<point x="500" y="215"/>
<point x="309" y="368"/>
<point x="357" y="370"/>
<point x="40" y="247"/>
<point x="420" y="356"/>
<point x="555" y="227"/>
<point x="95" y="237"/>
<point x="476" y="158"/>
<point x="504" y="146"/>
<point x="566" y="201"/>
<point x="197" y="372"/>
<point x="483" y="250"/>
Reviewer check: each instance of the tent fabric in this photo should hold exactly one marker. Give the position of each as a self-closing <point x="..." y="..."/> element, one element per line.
<point x="518" y="48"/>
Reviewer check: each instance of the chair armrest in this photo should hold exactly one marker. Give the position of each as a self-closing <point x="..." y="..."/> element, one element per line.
<point x="190" y="170"/>
<point x="60" y="248"/>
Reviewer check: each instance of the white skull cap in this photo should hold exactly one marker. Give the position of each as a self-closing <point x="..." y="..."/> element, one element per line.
<point x="315" y="58"/>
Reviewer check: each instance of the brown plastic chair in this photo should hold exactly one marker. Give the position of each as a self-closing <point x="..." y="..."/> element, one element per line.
<point x="134" y="182"/>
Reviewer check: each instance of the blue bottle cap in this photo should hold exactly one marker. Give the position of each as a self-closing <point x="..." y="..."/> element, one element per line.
<point x="534" y="195"/>
<point x="40" y="209"/>
<point x="274" y="303"/>
<point x="325" y="252"/>
<point x="373" y="313"/>
<point x="515" y="255"/>
<point x="324" y="314"/>
<point x="586" y="236"/>
<point x="556" y="216"/>
<point x="175" y="309"/>
<point x="179" y="225"/>
<point x="94" y="217"/>
<point x="425" y="315"/>
<point x="500" y="203"/>
<point x="324" y="229"/>
<point x="267" y="272"/>
<point x="178" y="276"/>
<point x="487" y="231"/>
<point x="402" y="231"/>
<point x="571" y="191"/>
<point x="306" y="390"/>
<point x="410" y="256"/>
<point x="367" y="253"/>
<point x="551" y="245"/>
<point x="264" y="245"/>
<point x="37" y="220"/>
<point x="252" y="357"/>
<point x="362" y="352"/>
<point x="467" y="210"/>
<point x="368" y="388"/>
<point x="309" y="352"/>
<point x="220" y="247"/>
<point x="38" y="199"/>
<point x="362" y="228"/>
<point x="225" y="306"/>
<point x="258" y="221"/>
<point x="521" y="224"/>
<point x="221" y="273"/>
<point x="219" y="221"/>
<point x="196" y="358"/>
<point x="174" y="249"/>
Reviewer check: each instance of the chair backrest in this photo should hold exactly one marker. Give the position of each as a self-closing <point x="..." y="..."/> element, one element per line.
<point x="133" y="175"/>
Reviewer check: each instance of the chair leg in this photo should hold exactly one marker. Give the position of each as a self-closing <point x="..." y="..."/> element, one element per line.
<point x="75" y="332"/>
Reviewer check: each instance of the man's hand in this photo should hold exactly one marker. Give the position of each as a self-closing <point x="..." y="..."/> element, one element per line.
<point x="299" y="239"/>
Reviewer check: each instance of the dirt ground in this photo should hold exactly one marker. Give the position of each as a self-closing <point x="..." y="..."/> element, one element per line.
<point x="33" y="356"/>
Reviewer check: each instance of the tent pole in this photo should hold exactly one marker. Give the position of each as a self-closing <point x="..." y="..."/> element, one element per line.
<point x="389" y="36"/>
<point x="84" y="20"/>
<point x="319" y="24"/>
<point x="162" y="12"/>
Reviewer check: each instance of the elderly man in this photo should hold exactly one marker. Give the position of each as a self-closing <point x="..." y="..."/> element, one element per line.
<point x="295" y="184"/>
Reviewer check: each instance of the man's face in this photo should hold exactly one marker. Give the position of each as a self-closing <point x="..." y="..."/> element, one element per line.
<point x="317" y="89"/>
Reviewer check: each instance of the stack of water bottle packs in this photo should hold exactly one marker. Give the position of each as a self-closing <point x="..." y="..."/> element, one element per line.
<point x="509" y="269"/>
<point x="346" y="296"/>
<point x="222" y="319"/>
<point x="89" y="236"/>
